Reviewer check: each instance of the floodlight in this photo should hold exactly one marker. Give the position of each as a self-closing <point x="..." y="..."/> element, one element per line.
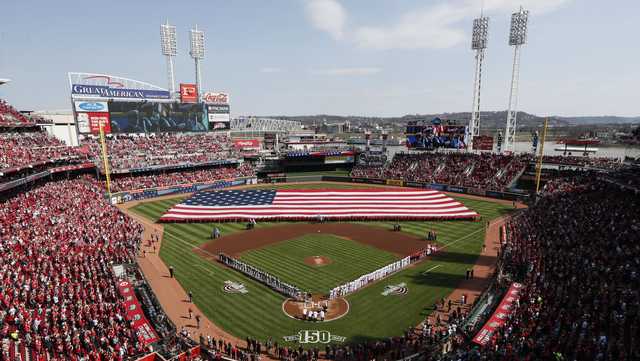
<point x="480" y="33"/>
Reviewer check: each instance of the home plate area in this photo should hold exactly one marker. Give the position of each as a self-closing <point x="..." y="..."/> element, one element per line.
<point x="317" y="309"/>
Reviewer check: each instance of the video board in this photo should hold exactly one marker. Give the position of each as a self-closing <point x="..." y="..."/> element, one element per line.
<point x="423" y="135"/>
<point x="148" y="117"/>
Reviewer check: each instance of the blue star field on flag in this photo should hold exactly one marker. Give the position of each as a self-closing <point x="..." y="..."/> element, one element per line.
<point x="232" y="198"/>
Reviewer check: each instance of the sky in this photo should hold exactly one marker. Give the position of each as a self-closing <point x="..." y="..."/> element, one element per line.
<point x="356" y="57"/>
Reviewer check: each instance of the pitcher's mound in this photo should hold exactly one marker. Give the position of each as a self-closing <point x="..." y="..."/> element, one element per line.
<point x="315" y="307"/>
<point x="317" y="261"/>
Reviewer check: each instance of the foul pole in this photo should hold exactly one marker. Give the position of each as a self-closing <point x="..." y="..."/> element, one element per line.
<point x="539" y="163"/>
<point x="105" y="159"/>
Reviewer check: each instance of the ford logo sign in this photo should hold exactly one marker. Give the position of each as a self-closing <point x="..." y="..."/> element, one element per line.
<point x="92" y="107"/>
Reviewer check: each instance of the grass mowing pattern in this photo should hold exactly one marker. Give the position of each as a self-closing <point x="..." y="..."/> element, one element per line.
<point x="350" y="260"/>
<point x="371" y="316"/>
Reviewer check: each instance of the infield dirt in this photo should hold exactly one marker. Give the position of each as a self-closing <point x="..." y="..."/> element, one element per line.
<point x="235" y="244"/>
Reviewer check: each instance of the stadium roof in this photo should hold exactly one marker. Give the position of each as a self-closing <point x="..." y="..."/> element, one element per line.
<point x="4" y="81"/>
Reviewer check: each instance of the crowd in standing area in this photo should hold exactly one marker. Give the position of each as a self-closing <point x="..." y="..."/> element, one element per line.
<point x="58" y="295"/>
<point x="162" y="149"/>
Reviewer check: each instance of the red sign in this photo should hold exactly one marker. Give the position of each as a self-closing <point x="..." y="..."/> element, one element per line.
<point x="482" y="142"/>
<point x="499" y="316"/>
<point x="135" y="314"/>
<point x="215" y="98"/>
<point x="96" y="119"/>
<point x="188" y="93"/>
<point x="246" y="143"/>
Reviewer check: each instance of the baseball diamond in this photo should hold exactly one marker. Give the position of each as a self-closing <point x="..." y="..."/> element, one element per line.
<point x="354" y="248"/>
<point x="307" y="192"/>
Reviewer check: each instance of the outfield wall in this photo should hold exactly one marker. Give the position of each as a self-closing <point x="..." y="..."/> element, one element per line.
<point x="140" y="194"/>
<point x="435" y="186"/>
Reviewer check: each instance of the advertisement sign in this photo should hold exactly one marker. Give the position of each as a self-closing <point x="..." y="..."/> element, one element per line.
<point x="218" y="109"/>
<point x="395" y="182"/>
<point x="148" y="117"/>
<point x="188" y="93"/>
<point x="500" y="315"/>
<point x="135" y="315"/>
<point x="368" y="180"/>
<point x="338" y="159"/>
<point x="437" y="187"/>
<point x="97" y="119"/>
<point x="218" y="116"/>
<point x="414" y="184"/>
<point x="101" y="91"/>
<point x="89" y="106"/>
<point x="476" y="191"/>
<point x="246" y="143"/>
<point x="456" y="189"/>
<point x="82" y="119"/>
<point x="215" y="98"/>
<point x="482" y="142"/>
<point x="216" y="126"/>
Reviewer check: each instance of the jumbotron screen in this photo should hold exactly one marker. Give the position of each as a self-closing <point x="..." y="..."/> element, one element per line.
<point x="146" y="117"/>
<point x="435" y="134"/>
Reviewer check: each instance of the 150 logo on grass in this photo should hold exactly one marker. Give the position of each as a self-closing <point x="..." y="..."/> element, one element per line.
<point x="314" y="336"/>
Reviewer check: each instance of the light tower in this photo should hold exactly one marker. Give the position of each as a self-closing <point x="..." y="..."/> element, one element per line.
<point x="169" y="50"/>
<point x="478" y="44"/>
<point x="197" y="54"/>
<point x="517" y="38"/>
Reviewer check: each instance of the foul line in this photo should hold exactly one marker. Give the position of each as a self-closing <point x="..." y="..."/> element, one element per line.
<point x="431" y="269"/>
<point x="181" y="240"/>
<point x="460" y="239"/>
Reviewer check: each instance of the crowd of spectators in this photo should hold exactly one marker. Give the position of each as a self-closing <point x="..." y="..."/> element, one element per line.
<point x="134" y="181"/>
<point x="58" y="296"/>
<point x="593" y="162"/>
<point x="487" y="171"/>
<point x="162" y="149"/>
<point x="23" y="149"/>
<point x="11" y="116"/>
<point x="627" y="178"/>
<point x="577" y="254"/>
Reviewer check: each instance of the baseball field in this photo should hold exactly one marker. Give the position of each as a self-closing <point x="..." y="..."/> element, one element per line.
<point x="258" y="312"/>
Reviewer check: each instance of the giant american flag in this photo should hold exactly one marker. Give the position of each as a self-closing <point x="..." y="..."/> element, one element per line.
<point x="329" y="204"/>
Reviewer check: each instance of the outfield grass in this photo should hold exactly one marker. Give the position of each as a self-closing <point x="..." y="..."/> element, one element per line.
<point x="350" y="260"/>
<point x="259" y="314"/>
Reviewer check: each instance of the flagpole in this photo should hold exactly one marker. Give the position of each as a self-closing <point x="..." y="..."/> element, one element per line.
<point x="539" y="165"/>
<point x="105" y="160"/>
